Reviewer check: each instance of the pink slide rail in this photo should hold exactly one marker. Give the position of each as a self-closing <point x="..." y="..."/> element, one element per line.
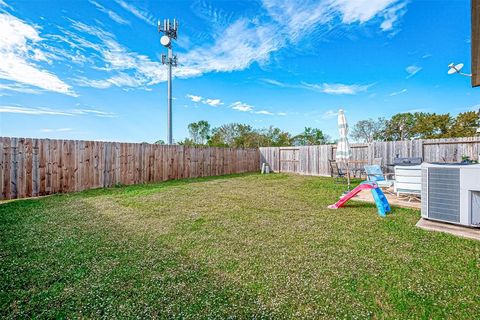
<point x="351" y="194"/>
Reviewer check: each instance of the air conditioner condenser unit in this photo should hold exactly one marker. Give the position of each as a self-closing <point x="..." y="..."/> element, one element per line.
<point x="451" y="193"/>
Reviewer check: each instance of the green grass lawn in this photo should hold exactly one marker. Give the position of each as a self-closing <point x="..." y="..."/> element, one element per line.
<point x="247" y="246"/>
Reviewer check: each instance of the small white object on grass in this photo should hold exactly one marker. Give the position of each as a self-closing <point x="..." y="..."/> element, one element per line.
<point x="265" y="168"/>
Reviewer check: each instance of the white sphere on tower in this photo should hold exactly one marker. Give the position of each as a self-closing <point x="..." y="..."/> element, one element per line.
<point x="165" y="41"/>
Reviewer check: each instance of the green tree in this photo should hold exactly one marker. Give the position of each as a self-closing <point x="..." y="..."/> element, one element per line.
<point x="431" y="125"/>
<point x="187" y="143"/>
<point x="310" y="137"/>
<point x="369" y="130"/>
<point x="159" y="142"/>
<point x="419" y="125"/>
<point x="400" y="127"/>
<point x="199" y="132"/>
<point x="275" y="137"/>
<point x="233" y="135"/>
<point x="238" y="135"/>
<point x="465" y="124"/>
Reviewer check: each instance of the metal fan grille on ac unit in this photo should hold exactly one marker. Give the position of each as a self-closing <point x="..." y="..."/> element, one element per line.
<point x="444" y="194"/>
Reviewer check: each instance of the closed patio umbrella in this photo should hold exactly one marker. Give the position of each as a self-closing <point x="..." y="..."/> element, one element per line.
<point x="343" y="153"/>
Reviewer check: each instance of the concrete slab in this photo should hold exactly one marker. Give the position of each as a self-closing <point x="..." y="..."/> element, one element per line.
<point x="465" y="232"/>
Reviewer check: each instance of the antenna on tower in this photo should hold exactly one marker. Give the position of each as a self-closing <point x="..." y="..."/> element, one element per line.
<point x="169" y="29"/>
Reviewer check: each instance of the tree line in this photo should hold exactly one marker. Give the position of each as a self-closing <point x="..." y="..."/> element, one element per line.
<point x="237" y="135"/>
<point x="402" y="126"/>
<point x="416" y="125"/>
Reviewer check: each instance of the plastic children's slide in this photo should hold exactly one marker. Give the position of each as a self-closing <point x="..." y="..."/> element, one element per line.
<point x="380" y="200"/>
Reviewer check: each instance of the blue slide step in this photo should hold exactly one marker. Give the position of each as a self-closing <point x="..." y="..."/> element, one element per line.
<point x="381" y="201"/>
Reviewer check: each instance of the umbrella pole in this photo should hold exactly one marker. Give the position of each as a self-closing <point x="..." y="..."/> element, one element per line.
<point x="348" y="177"/>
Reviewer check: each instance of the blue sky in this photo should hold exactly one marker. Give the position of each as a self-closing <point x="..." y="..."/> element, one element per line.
<point x="91" y="69"/>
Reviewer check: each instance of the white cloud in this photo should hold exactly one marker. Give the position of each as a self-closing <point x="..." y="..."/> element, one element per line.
<point x="97" y="113"/>
<point x="112" y="14"/>
<point x="130" y="69"/>
<point x="416" y="110"/>
<point x="287" y="21"/>
<point x="56" y="130"/>
<point x="329" y="114"/>
<point x="412" y="70"/>
<point x="213" y="102"/>
<point x="125" y="80"/>
<point x="298" y="17"/>
<point x="139" y="13"/>
<point x="392" y="15"/>
<point x="17" y="87"/>
<point x="396" y="93"/>
<point x="20" y="53"/>
<point x="329" y="88"/>
<point x="275" y="82"/>
<point x="360" y="10"/>
<point x="56" y="112"/>
<point x="194" y="98"/>
<point x="301" y="17"/>
<point x="99" y="84"/>
<point x="32" y="111"/>
<point x="291" y="21"/>
<point x="280" y="84"/>
<point x="231" y="52"/>
<point x="338" y="88"/>
<point x="120" y="80"/>
<point x="4" y="4"/>
<point x="243" y="107"/>
<point x="265" y="112"/>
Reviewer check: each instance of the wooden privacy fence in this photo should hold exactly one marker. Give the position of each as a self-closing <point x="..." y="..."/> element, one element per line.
<point x="313" y="160"/>
<point x="36" y="167"/>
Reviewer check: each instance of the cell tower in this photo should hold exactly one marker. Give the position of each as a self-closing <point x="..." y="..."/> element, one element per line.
<point x="169" y="32"/>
